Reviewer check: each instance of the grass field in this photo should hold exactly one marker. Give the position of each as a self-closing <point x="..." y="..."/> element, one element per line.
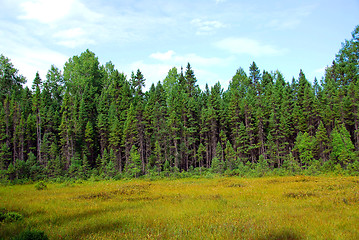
<point x="297" y="207"/>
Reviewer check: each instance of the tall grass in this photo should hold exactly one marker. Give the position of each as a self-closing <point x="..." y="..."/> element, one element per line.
<point x="297" y="207"/>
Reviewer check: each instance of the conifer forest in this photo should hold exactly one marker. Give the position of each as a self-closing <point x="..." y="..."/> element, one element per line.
<point x="89" y="119"/>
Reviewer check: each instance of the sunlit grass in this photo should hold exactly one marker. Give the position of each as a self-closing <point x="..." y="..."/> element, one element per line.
<point x="298" y="207"/>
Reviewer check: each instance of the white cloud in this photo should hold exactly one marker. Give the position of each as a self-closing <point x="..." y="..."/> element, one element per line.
<point x="206" y="27"/>
<point x="70" y="33"/>
<point x="73" y="37"/>
<point x="26" y="52"/>
<point x="46" y="11"/>
<point x="248" y="46"/>
<point x="59" y="18"/>
<point x="163" y="56"/>
<point x="52" y="11"/>
<point x="194" y="59"/>
<point x="171" y="57"/>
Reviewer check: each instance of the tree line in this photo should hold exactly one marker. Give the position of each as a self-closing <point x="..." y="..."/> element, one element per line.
<point x="91" y="119"/>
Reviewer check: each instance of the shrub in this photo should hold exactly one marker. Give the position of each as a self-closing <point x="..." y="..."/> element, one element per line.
<point x="6" y="216"/>
<point x="313" y="169"/>
<point x="40" y="185"/>
<point x="353" y="168"/>
<point x="2" y="217"/>
<point x="31" y="235"/>
<point x="13" y="217"/>
<point x="262" y="166"/>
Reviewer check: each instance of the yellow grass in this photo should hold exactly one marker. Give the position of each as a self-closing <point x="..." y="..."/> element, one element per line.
<point x="220" y="208"/>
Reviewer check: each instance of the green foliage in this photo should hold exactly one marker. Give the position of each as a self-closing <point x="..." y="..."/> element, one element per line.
<point x="40" y="185"/>
<point x="217" y="165"/>
<point x="110" y="166"/>
<point x="6" y="216"/>
<point x="262" y="166"/>
<point x="4" y="156"/>
<point x="31" y="234"/>
<point x="22" y="169"/>
<point x="85" y="168"/>
<point x="231" y="159"/>
<point x="343" y="148"/>
<point x="11" y="171"/>
<point x="305" y="144"/>
<point x="74" y="170"/>
<point x="313" y="169"/>
<point x="10" y="80"/>
<point x="36" y="171"/>
<point x="85" y="119"/>
<point x="291" y="165"/>
<point x="133" y="167"/>
<point x="353" y="168"/>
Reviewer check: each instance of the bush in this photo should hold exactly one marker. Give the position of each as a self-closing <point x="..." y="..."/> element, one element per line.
<point x="313" y="169"/>
<point x="353" y="168"/>
<point x="31" y="235"/>
<point x="13" y="217"/>
<point x="6" y="216"/>
<point x="262" y="166"/>
<point x="2" y="217"/>
<point x="40" y="186"/>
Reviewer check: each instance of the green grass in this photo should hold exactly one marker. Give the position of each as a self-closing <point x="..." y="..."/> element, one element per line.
<point x="297" y="207"/>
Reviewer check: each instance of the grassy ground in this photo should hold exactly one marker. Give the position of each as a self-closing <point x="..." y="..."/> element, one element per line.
<point x="220" y="208"/>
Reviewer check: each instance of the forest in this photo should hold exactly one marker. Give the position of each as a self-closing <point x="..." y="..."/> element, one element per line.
<point x="90" y="120"/>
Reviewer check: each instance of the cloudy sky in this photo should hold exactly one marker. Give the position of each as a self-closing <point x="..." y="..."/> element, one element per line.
<point x="215" y="36"/>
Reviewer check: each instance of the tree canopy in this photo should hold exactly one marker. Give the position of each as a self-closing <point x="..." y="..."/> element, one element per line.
<point x="91" y="119"/>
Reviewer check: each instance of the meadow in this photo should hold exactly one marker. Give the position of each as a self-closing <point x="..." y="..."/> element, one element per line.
<point x="297" y="207"/>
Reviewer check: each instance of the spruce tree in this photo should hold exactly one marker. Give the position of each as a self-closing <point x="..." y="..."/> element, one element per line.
<point x="342" y="146"/>
<point x="322" y="143"/>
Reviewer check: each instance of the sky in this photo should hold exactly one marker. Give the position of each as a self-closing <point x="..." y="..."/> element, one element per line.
<point x="215" y="36"/>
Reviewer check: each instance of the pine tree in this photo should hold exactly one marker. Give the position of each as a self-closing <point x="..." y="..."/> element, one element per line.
<point x="322" y="143"/>
<point x="85" y="168"/>
<point x="37" y="82"/>
<point x="255" y="77"/>
<point x="158" y="156"/>
<point x="110" y="167"/>
<point x="5" y="156"/>
<point x="115" y="139"/>
<point x="105" y="159"/>
<point x="171" y="80"/>
<point x="133" y="166"/>
<point x="102" y="129"/>
<point x="199" y="156"/>
<point x="217" y="165"/>
<point x="242" y="142"/>
<point x="342" y="146"/>
<point x="89" y="150"/>
<point x="37" y="110"/>
<point x="191" y="81"/>
<point x="138" y="82"/>
<point x="130" y="131"/>
<point x="231" y="162"/>
<point x="304" y="145"/>
<point x="10" y="80"/>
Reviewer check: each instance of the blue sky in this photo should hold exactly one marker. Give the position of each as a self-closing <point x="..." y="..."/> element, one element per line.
<point x="215" y="36"/>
